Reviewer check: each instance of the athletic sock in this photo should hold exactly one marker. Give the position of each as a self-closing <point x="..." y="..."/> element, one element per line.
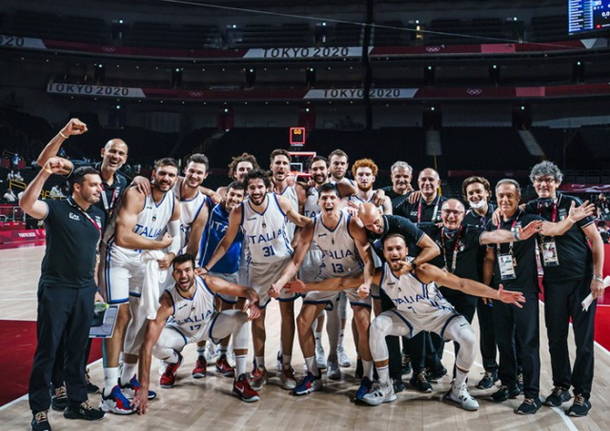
<point x="129" y="370"/>
<point x="460" y="378"/>
<point x="111" y="379"/>
<point x="384" y="375"/>
<point x="367" y="369"/>
<point x="260" y="361"/>
<point x="240" y="365"/>
<point x="312" y="367"/>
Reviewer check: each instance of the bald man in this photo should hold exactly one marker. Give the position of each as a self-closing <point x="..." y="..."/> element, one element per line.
<point x="459" y="245"/>
<point x="424" y="205"/>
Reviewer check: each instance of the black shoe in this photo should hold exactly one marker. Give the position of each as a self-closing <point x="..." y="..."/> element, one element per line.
<point x="488" y="380"/>
<point x="520" y="382"/>
<point x="91" y="388"/>
<point x="420" y="382"/>
<point x="83" y="411"/>
<point x="399" y="386"/>
<point x="580" y="407"/>
<point x="406" y="365"/>
<point x="359" y="369"/>
<point x="435" y="375"/>
<point x="504" y="393"/>
<point x="558" y="396"/>
<point x="59" y="399"/>
<point x="40" y="421"/>
<point x="529" y="406"/>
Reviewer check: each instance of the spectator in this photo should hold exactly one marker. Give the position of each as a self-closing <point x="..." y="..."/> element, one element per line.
<point x="10" y="196"/>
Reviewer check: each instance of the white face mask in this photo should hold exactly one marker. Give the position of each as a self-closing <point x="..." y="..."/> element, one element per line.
<point x="477" y="205"/>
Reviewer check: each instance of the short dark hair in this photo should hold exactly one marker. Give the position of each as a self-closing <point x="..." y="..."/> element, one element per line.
<point x="339" y="153"/>
<point x="78" y="175"/>
<point x="237" y="185"/>
<point x="244" y="157"/>
<point x="472" y="180"/>
<point x="279" y="152"/>
<point x="257" y="174"/>
<point x="393" y="235"/>
<point x="328" y="187"/>
<point x="317" y="159"/>
<point x="181" y="258"/>
<point x="166" y="161"/>
<point x="198" y="158"/>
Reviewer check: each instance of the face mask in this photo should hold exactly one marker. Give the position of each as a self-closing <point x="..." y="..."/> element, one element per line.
<point x="477" y="205"/>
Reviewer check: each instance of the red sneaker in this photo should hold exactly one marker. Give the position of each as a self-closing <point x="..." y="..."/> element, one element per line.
<point x="201" y="368"/>
<point x="242" y="388"/>
<point x="223" y="367"/>
<point x="168" y="378"/>
<point x="259" y="378"/>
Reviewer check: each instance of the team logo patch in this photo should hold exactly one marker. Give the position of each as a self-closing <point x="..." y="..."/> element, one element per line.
<point x="73" y="216"/>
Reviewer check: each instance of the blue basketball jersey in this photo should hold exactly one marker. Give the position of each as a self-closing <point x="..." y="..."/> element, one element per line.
<point x="215" y="228"/>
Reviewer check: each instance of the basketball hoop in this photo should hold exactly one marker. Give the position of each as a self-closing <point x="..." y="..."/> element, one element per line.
<point x="300" y="161"/>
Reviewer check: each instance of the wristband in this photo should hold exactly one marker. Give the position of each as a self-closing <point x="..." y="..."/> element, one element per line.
<point x="516" y="235"/>
<point x="598" y="278"/>
<point x="62" y="135"/>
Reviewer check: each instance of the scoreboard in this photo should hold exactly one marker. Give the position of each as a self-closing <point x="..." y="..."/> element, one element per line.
<point x="586" y="16"/>
<point x="297" y="136"/>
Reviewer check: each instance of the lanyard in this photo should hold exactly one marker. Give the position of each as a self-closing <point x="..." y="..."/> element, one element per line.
<point x="554" y="209"/>
<point x="456" y="246"/>
<point x="87" y="216"/>
<point x="115" y="194"/>
<point x="510" y="244"/>
<point x="419" y="210"/>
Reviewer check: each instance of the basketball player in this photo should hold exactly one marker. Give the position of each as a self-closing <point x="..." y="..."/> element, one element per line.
<point x="238" y="168"/>
<point x="419" y="306"/>
<point x="139" y="225"/>
<point x="262" y="219"/>
<point x="216" y="223"/>
<point x="188" y="309"/>
<point x="344" y="248"/>
<point x="338" y="168"/>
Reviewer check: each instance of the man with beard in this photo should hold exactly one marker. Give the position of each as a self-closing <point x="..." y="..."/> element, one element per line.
<point x="263" y="220"/>
<point x="477" y="192"/>
<point x="572" y="270"/>
<point x="401" y="175"/>
<point x="338" y="166"/>
<point x="216" y="222"/>
<point x="140" y="225"/>
<point x="514" y="265"/>
<point x="344" y="251"/>
<point x="188" y="309"/>
<point x="238" y="168"/>
<point x="66" y="288"/>
<point x="419" y="306"/>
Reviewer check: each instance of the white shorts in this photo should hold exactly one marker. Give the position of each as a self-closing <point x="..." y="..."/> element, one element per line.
<point x="232" y="278"/>
<point x="262" y="276"/>
<point x="310" y="268"/>
<point x="435" y="321"/>
<point x="122" y="275"/>
<point x="330" y="298"/>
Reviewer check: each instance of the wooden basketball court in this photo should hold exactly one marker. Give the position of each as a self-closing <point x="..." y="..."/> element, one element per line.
<point x="208" y="404"/>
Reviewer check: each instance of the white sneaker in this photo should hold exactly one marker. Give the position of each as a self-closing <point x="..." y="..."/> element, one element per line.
<point x="461" y="396"/>
<point x="382" y="394"/>
<point x="343" y="358"/>
<point x="333" y="372"/>
<point x="320" y="356"/>
<point x="288" y="379"/>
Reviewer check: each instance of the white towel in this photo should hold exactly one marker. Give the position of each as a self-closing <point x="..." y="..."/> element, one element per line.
<point x="153" y="276"/>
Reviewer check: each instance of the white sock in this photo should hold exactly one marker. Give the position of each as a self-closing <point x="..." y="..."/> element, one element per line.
<point x="367" y="369"/>
<point x="129" y="370"/>
<point x="286" y="360"/>
<point x="318" y="336"/>
<point x="384" y="375"/>
<point x="340" y="342"/>
<point x="240" y="365"/>
<point x="312" y="367"/>
<point x="260" y="361"/>
<point x="111" y="379"/>
<point x="460" y="378"/>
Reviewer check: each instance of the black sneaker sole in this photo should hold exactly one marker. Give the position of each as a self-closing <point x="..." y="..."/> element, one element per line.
<point x="69" y="415"/>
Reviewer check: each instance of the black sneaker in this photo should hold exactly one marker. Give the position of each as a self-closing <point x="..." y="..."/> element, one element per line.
<point x="359" y="369"/>
<point x="435" y="375"/>
<point x="83" y="411"/>
<point x="504" y="392"/>
<point x="59" y="399"/>
<point x="420" y="382"/>
<point x="406" y="365"/>
<point x="580" y="407"/>
<point x="558" y="396"/>
<point x="529" y="406"/>
<point x="40" y="421"/>
<point x="91" y="388"/>
<point x="488" y="380"/>
<point x="520" y="382"/>
<point x="399" y="385"/>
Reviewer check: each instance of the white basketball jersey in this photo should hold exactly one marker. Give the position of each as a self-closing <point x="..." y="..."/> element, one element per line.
<point x="152" y="221"/>
<point x="411" y="295"/>
<point x="191" y="315"/>
<point x="290" y="193"/>
<point x="311" y="207"/>
<point x="189" y="211"/>
<point x="265" y="235"/>
<point x="339" y="254"/>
